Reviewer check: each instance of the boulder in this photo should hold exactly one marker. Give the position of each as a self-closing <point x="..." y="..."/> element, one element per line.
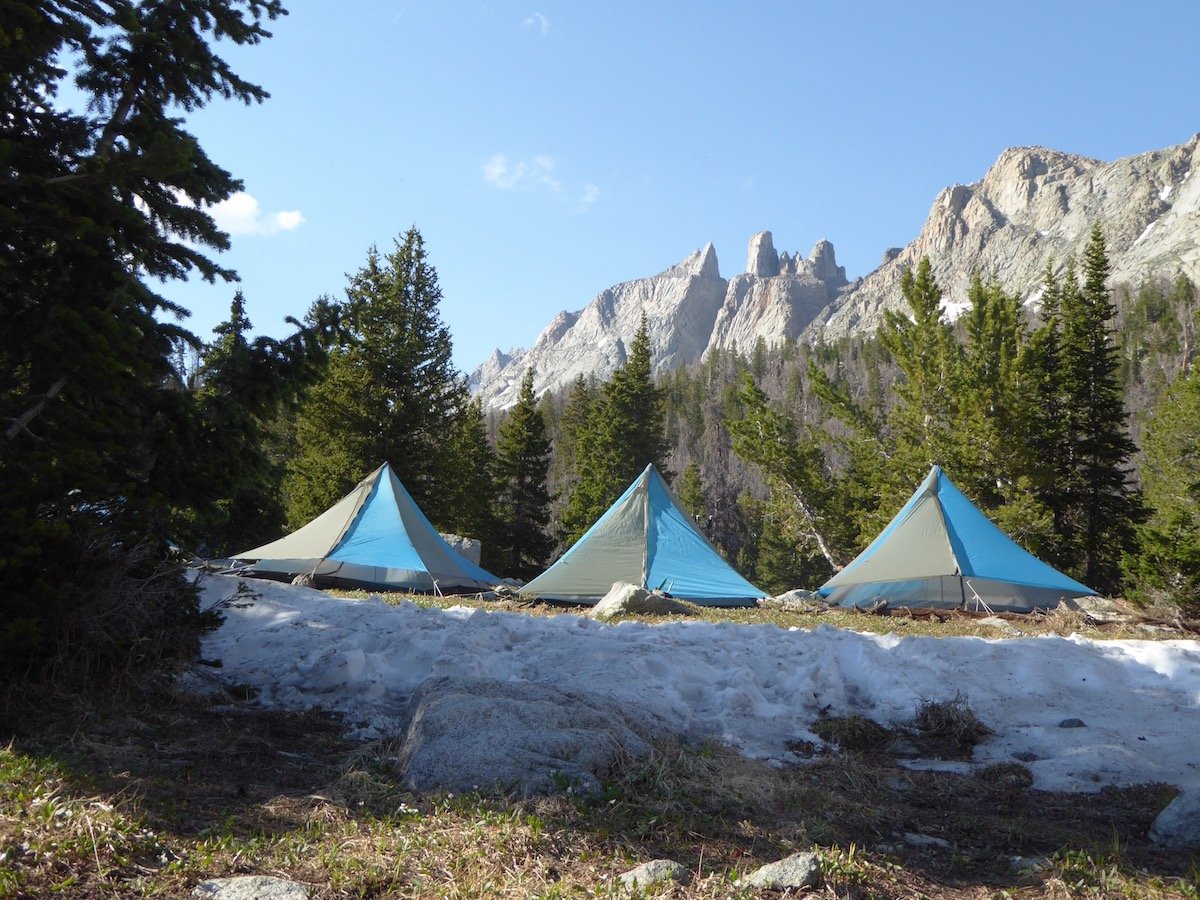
<point x="468" y="734"/>
<point x="628" y="599"/>
<point x="796" y="871"/>
<point x="1178" y="826"/>
<point x="469" y="549"/>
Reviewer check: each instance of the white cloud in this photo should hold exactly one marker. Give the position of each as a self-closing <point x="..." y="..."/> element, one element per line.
<point x="591" y="193"/>
<point x="521" y="174"/>
<point x="241" y="214"/>
<point x="538" y="21"/>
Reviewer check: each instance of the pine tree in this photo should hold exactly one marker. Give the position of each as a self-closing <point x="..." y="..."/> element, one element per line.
<point x="523" y="464"/>
<point x="800" y="487"/>
<point x="240" y="386"/>
<point x="623" y="433"/>
<point x="991" y="406"/>
<point x="923" y="423"/>
<point x="100" y="198"/>
<point x="390" y="391"/>
<point x="1101" y="507"/>
<point x="1167" y="564"/>
<point x="691" y="493"/>
<point x="467" y="482"/>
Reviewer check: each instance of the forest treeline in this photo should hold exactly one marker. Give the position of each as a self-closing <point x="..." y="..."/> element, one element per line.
<point x="128" y="443"/>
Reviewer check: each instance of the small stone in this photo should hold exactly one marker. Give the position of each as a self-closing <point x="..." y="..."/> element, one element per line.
<point x="796" y="871"/>
<point x="1072" y="723"/>
<point x="924" y="840"/>
<point x="1025" y="864"/>
<point x="1026" y="756"/>
<point x="654" y="872"/>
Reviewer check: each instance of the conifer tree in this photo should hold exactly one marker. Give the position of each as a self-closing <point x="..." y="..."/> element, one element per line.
<point x="467" y="482"/>
<point x="1167" y="563"/>
<point x="623" y="433"/>
<point x="1101" y="506"/>
<point x="241" y="386"/>
<point x="101" y="197"/>
<point x="390" y="391"/>
<point x="801" y="491"/>
<point x="691" y="493"/>
<point x="523" y="464"/>
<point x="922" y="425"/>
<point x="991" y="407"/>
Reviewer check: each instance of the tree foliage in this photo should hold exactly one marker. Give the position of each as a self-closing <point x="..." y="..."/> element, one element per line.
<point x="522" y="468"/>
<point x="622" y="434"/>
<point x="1168" y="562"/>
<point x="98" y="200"/>
<point x="390" y="391"/>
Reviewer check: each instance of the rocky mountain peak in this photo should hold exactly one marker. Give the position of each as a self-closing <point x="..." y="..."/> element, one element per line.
<point x="1033" y="206"/>
<point x="761" y="258"/>
<point x="823" y="263"/>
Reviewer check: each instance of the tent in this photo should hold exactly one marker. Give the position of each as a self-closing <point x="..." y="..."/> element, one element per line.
<point x="941" y="551"/>
<point x="374" y="537"/>
<point x="646" y="539"/>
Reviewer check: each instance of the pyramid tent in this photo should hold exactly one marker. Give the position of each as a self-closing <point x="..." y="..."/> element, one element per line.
<point x="646" y="539"/>
<point x="375" y="537"/>
<point x="941" y="551"/>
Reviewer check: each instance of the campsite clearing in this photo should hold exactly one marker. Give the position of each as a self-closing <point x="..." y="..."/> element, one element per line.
<point x="148" y="795"/>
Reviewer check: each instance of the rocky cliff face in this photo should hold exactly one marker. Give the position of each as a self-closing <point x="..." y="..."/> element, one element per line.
<point x="777" y="296"/>
<point x="689" y="308"/>
<point x="1035" y="205"/>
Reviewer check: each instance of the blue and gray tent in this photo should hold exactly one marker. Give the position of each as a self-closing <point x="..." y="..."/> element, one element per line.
<point x="940" y="551"/>
<point x="645" y="538"/>
<point x="374" y="537"/>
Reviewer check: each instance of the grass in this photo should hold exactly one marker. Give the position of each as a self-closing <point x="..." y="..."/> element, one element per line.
<point x="147" y="795"/>
<point x="933" y="623"/>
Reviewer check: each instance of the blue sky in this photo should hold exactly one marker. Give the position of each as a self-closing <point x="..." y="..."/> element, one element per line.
<point x="547" y="150"/>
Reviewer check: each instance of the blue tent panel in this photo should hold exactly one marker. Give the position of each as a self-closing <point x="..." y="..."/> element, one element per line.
<point x="377" y="536"/>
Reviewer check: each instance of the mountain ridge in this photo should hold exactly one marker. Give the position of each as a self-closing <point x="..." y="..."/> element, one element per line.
<point x="1032" y="205"/>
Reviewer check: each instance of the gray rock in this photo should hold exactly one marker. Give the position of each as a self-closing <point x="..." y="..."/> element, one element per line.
<point x="761" y="258"/>
<point x="469" y="548"/>
<point x="1072" y="723"/>
<point x="654" y="872"/>
<point x="250" y="887"/>
<point x="470" y="734"/>
<point x="629" y="599"/>
<point x="1032" y="205"/>
<point x="796" y="871"/>
<point x="914" y="839"/>
<point x="1024" y="865"/>
<point x="798" y="600"/>
<point x="1178" y="826"/>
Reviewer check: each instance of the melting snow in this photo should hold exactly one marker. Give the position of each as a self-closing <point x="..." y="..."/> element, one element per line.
<point x="754" y="687"/>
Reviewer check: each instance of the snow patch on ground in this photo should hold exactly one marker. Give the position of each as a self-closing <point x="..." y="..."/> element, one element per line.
<point x="754" y="687"/>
